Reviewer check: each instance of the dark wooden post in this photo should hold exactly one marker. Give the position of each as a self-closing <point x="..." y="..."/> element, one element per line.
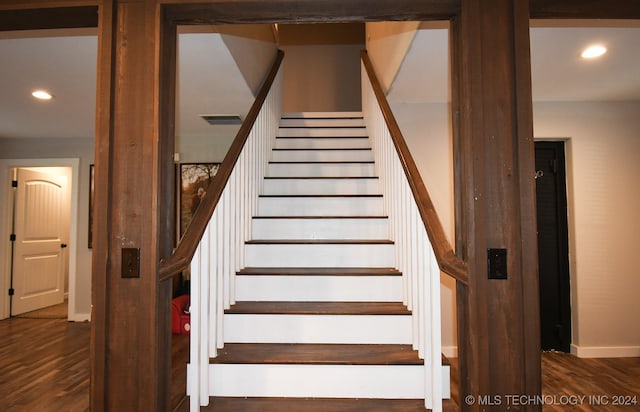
<point x="131" y="345"/>
<point x="498" y="333"/>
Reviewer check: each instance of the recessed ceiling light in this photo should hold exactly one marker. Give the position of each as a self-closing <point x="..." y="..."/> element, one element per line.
<point x="42" y="95"/>
<point x="592" y="52"/>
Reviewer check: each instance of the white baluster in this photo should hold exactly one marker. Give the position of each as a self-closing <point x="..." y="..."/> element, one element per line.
<point x="203" y="322"/>
<point x="193" y="371"/>
<point x="436" y="333"/>
<point x="218" y="276"/>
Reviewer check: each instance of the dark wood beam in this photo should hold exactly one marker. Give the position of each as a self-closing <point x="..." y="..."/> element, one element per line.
<point x="49" y="18"/>
<point x="585" y="9"/>
<point x="315" y="11"/>
<point x="498" y="341"/>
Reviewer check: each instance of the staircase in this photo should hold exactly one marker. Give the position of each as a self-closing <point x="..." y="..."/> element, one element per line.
<point x="318" y="309"/>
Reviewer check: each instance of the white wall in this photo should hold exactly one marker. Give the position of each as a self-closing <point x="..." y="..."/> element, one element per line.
<point x="65" y="148"/>
<point x="603" y="167"/>
<point x="387" y="45"/>
<point x="426" y="126"/>
<point x="220" y="70"/>
<point x="322" y="77"/>
<point x="253" y="48"/>
<point x="603" y="164"/>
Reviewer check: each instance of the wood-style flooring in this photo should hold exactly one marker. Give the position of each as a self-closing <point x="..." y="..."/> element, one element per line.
<point x="44" y="364"/>
<point x="44" y="367"/>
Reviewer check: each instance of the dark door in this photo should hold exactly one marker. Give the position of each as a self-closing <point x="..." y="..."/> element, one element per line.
<point x="553" y="246"/>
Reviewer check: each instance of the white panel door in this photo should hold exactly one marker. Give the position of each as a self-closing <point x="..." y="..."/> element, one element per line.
<point x="38" y="272"/>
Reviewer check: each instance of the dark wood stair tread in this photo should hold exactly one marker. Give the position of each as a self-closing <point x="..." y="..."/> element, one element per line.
<point x="310" y="117"/>
<point x="221" y="404"/>
<point x="320" y="217"/>
<point x="354" y="195"/>
<point x="320" y="272"/>
<point x="318" y="308"/>
<point x="319" y="242"/>
<point x="323" y="162"/>
<point x="317" y="354"/>
<point x="320" y="177"/>
<point x="289" y="149"/>
<point x="322" y="128"/>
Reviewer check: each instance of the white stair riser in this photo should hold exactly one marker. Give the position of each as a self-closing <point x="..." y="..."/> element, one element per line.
<point x="321" y="169"/>
<point x="320" y="206"/>
<point x="322" y="132"/>
<point x="322" y="155"/>
<point x="319" y="255"/>
<point x="323" y="143"/>
<point x="325" y="381"/>
<point x="319" y="288"/>
<point x="315" y="115"/>
<point x="333" y="229"/>
<point x="324" y="186"/>
<point x="324" y="329"/>
<point x="318" y="381"/>
<point x="339" y="122"/>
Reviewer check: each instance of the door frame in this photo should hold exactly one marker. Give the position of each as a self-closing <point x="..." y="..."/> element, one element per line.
<point x="5" y="224"/>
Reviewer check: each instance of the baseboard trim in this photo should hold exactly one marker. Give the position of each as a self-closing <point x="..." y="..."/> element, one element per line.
<point x="605" y="351"/>
<point x="450" y="351"/>
<point x="80" y="317"/>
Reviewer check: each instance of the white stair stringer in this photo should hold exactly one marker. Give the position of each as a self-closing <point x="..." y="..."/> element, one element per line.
<point x="320" y="208"/>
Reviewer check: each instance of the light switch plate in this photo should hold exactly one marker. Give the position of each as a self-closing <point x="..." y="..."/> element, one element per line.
<point x="130" y="262"/>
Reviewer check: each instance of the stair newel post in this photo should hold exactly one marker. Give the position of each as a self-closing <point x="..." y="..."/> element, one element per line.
<point x="205" y="313"/>
<point x="194" y="343"/>
<point x="426" y="336"/>
<point x="199" y="376"/>
<point x="435" y="330"/>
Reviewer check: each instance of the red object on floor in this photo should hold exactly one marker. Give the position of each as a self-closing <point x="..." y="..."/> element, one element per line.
<point x="180" y="322"/>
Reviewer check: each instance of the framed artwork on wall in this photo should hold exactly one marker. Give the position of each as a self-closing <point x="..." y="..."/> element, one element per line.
<point x="195" y="179"/>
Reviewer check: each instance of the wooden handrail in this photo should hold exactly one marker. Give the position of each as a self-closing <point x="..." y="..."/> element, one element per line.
<point x="183" y="254"/>
<point x="448" y="262"/>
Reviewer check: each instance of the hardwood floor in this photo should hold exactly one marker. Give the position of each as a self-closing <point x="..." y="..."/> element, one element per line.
<point x="44" y="367"/>
<point x="570" y="383"/>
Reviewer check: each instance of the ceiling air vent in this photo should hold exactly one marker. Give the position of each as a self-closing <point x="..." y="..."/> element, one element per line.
<point x="221" y="119"/>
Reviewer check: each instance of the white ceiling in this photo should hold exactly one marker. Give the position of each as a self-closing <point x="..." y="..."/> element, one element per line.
<point x="558" y="71"/>
<point x="66" y="64"/>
